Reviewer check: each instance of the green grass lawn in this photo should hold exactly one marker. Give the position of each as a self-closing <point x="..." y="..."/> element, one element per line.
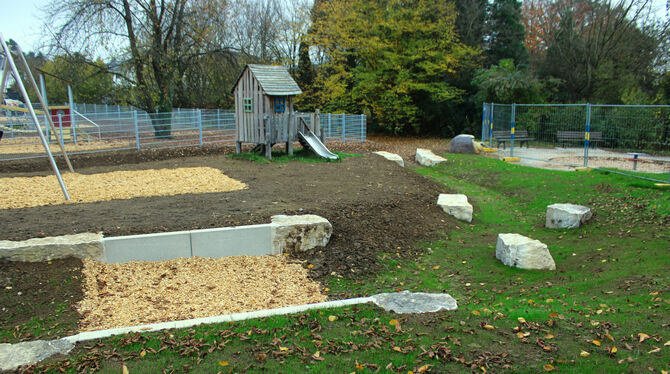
<point x="612" y="284"/>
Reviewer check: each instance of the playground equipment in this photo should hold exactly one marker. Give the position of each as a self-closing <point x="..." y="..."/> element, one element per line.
<point x="265" y="115"/>
<point x="8" y="62"/>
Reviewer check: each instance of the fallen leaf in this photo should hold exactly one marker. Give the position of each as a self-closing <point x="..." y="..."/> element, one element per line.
<point x="667" y="343"/>
<point x="548" y="367"/>
<point x="436" y="267"/>
<point x="332" y="318"/>
<point x="316" y="354"/>
<point x="610" y="337"/>
<point x="548" y="336"/>
<point x="520" y="335"/>
<point x="595" y="342"/>
<point x="489" y="327"/>
<point x="643" y="336"/>
<point x="397" y="349"/>
<point x="310" y="266"/>
<point x="584" y="354"/>
<point x="553" y="315"/>
<point x="476" y="312"/>
<point x="226" y="363"/>
<point x="124" y="370"/>
<point x="393" y="322"/>
<point x="521" y="320"/>
<point x="613" y="350"/>
<point x="283" y="349"/>
<point x="423" y="369"/>
<point x="654" y="350"/>
<point x="143" y="353"/>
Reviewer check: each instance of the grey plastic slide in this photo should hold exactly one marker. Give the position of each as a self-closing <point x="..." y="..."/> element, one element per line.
<point x="312" y="142"/>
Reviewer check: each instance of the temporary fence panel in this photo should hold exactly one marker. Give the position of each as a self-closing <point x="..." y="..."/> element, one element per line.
<point x="599" y="136"/>
<point x="93" y="130"/>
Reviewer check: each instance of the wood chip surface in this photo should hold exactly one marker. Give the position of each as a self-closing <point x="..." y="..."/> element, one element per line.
<point x="22" y="192"/>
<point x="139" y="292"/>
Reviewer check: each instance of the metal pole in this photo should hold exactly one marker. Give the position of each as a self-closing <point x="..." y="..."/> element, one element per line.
<point x="200" y="125"/>
<point x="511" y="140"/>
<point x="60" y="124"/>
<point x="44" y="103"/>
<point x="24" y="93"/>
<point x="587" y="135"/>
<point x="484" y="127"/>
<point x="3" y="80"/>
<point x="491" y="126"/>
<point x="362" y="128"/>
<point x="137" y="131"/>
<point x="73" y="119"/>
<point x="330" y="121"/>
<point x="344" y="128"/>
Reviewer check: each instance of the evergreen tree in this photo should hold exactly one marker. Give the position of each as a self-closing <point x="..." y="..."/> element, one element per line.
<point x="506" y="33"/>
<point x="305" y="73"/>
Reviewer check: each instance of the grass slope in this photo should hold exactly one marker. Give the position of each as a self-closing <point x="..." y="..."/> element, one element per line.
<point x="605" y="309"/>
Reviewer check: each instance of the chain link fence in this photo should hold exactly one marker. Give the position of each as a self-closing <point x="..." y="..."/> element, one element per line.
<point x="89" y="128"/>
<point x="619" y="138"/>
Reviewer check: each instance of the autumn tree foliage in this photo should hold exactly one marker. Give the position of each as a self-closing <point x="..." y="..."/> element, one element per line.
<point x="391" y="59"/>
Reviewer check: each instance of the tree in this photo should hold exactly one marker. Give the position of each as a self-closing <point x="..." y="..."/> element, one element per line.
<point x="471" y="21"/>
<point x="89" y="79"/>
<point x="506" y="33"/>
<point x="161" y="39"/>
<point x="602" y="50"/>
<point x="389" y="58"/>
<point x="506" y="84"/>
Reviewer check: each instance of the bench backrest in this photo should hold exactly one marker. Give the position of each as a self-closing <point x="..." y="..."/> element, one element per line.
<point x="578" y="135"/>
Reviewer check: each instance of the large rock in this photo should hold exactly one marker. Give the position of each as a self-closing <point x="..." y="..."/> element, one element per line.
<point x="14" y="355"/>
<point x="426" y="157"/>
<point x="523" y="252"/>
<point x="456" y="205"/>
<point x="462" y="144"/>
<point x="566" y="216"/>
<point x="391" y="157"/>
<point x="85" y="245"/>
<point x="299" y="233"/>
<point x="415" y="302"/>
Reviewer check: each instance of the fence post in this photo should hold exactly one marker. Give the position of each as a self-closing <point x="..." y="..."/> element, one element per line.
<point x="484" y="127"/>
<point x="200" y="125"/>
<point x="492" y="105"/>
<point x="330" y="121"/>
<point x="137" y="131"/>
<point x="511" y="141"/>
<point x="587" y="135"/>
<point x="344" y="128"/>
<point x="218" y="119"/>
<point x="362" y="128"/>
<point x="118" y="111"/>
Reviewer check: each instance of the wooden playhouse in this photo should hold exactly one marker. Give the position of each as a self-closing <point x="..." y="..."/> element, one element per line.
<point x="264" y="113"/>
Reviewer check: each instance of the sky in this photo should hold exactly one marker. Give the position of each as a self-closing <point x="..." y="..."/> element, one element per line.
<point x="22" y="20"/>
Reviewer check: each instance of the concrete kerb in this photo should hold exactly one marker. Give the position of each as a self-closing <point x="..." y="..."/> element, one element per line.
<point x="101" y="334"/>
<point x="251" y="240"/>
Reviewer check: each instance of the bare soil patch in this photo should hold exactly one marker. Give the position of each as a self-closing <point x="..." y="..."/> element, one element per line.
<point x="138" y="292"/>
<point x="87" y="188"/>
<point x="375" y="206"/>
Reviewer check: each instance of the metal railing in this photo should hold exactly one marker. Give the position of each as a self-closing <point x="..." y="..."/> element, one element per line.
<point x="622" y="137"/>
<point x="120" y="129"/>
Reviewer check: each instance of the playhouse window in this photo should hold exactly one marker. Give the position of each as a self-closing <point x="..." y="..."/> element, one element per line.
<point x="280" y="104"/>
<point x="248" y="105"/>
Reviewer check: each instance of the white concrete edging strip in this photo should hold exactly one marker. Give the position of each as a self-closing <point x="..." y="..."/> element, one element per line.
<point x="101" y="334"/>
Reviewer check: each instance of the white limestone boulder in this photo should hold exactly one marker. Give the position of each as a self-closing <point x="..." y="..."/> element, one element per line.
<point x="299" y="233"/>
<point x="84" y="245"/>
<point x="456" y="205"/>
<point x="426" y="157"/>
<point x="522" y="252"/>
<point x="566" y="216"/>
<point x="391" y="157"/>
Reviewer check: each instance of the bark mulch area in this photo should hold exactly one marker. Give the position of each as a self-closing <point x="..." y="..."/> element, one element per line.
<point x="374" y="205"/>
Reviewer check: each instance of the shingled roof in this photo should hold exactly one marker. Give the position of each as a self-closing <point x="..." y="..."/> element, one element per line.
<point x="275" y="80"/>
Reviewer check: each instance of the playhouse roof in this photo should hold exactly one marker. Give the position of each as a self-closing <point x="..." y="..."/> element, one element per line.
<point x="275" y="80"/>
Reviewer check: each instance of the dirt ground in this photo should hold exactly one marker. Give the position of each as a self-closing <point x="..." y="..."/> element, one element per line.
<point x="373" y="204"/>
